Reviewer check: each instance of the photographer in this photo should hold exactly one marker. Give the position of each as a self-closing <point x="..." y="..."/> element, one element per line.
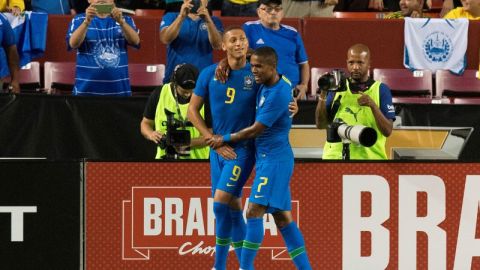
<point x="363" y="102"/>
<point x="174" y="97"/>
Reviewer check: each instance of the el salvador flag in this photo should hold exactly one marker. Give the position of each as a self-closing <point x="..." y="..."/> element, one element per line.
<point x="436" y="44"/>
<point x="30" y="31"/>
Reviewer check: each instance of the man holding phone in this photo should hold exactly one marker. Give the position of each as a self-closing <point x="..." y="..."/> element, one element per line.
<point x="101" y="36"/>
<point x="190" y="36"/>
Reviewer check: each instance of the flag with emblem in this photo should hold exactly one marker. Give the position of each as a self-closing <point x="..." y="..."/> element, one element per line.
<point x="436" y="44"/>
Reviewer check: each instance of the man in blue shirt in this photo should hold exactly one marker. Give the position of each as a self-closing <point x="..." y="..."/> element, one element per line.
<point x="232" y="105"/>
<point x="101" y="41"/>
<point x="274" y="161"/>
<point x="8" y="56"/>
<point x="287" y="42"/>
<point x="190" y="36"/>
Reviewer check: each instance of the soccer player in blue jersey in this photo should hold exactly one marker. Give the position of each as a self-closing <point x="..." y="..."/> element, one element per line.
<point x="274" y="161"/>
<point x="101" y="41"/>
<point x="287" y="42"/>
<point x="232" y="105"/>
<point x="190" y="36"/>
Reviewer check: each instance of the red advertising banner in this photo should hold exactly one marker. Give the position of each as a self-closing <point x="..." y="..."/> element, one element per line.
<point x="355" y="216"/>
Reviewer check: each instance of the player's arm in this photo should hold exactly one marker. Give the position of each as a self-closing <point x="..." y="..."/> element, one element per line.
<point x="250" y="132"/>
<point x="193" y="114"/>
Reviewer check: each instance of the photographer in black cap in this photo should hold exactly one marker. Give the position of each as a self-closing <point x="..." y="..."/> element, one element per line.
<point x="173" y="97"/>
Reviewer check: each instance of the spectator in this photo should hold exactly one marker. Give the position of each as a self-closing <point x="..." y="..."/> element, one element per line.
<point x="240" y="8"/>
<point x="190" y="36"/>
<point x="308" y="8"/>
<point x="13" y="6"/>
<point x="470" y="9"/>
<point x="408" y="8"/>
<point x="8" y="56"/>
<point x="101" y="41"/>
<point x="364" y="102"/>
<point x="52" y="6"/>
<point x="449" y="5"/>
<point x="175" y="97"/>
<point x="287" y="42"/>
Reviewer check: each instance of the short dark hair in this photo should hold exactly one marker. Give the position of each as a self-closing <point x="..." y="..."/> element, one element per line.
<point x="269" y="2"/>
<point x="232" y="27"/>
<point x="268" y="55"/>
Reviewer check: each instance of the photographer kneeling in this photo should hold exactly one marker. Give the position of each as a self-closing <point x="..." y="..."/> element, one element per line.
<point x="166" y="109"/>
<point x="356" y="101"/>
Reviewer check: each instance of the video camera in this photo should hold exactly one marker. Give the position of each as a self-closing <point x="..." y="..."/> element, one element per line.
<point x="174" y="138"/>
<point x="339" y="131"/>
<point x="334" y="81"/>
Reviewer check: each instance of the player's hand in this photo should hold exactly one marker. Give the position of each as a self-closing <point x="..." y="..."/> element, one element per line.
<point x="215" y="141"/>
<point x="155" y="137"/>
<point x="293" y="107"/>
<point x="302" y="91"/>
<point x="365" y="100"/>
<point x="185" y="8"/>
<point x="222" y="70"/>
<point x="90" y="13"/>
<point x="226" y="152"/>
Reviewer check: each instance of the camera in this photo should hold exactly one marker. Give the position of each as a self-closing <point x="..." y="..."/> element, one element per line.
<point x="174" y="137"/>
<point x="334" y="81"/>
<point x="339" y="131"/>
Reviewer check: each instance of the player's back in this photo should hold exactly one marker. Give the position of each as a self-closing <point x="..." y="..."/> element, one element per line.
<point x="272" y="111"/>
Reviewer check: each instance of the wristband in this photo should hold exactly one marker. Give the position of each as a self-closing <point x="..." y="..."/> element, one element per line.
<point x="226" y="138"/>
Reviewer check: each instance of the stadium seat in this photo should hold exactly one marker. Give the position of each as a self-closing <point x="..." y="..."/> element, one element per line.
<point x="358" y="15"/>
<point x="404" y="83"/>
<point x="452" y="86"/>
<point x="29" y="78"/>
<point x="144" y="77"/>
<point x="466" y="101"/>
<point x="59" y="77"/>
<point x="149" y="12"/>
<point x="315" y="74"/>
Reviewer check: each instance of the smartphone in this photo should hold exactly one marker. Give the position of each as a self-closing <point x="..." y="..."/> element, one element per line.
<point x="196" y="5"/>
<point x="104" y="8"/>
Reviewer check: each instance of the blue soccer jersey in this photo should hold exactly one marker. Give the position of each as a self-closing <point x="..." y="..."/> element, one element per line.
<point x="233" y="108"/>
<point x="287" y="43"/>
<point x="7" y="39"/>
<point x="272" y="111"/>
<point x="191" y="45"/>
<point x="102" y="61"/>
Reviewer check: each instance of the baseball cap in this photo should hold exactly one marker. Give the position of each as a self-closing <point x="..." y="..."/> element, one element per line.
<point x="185" y="75"/>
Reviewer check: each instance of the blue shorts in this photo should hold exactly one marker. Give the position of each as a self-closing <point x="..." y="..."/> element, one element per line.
<point x="271" y="186"/>
<point x="230" y="175"/>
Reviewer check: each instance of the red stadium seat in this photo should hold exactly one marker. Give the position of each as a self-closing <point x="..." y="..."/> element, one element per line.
<point x="59" y="77"/>
<point x="405" y="83"/>
<point x="144" y="77"/>
<point x="358" y="15"/>
<point x="316" y="73"/>
<point x="467" y="101"/>
<point x="451" y="85"/>
<point x="149" y="12"/>
<point x="29" y="77"/>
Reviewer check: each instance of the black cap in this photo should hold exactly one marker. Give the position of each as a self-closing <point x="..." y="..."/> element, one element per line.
<point x="185" y="75"/>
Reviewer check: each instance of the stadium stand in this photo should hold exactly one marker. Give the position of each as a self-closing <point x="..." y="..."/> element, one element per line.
<point x="59" y="77"/>
<point x="144" y="77"/>
<point x="407" y="86"/>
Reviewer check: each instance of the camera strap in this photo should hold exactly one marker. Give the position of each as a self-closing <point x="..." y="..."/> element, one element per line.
<point x="175" y="94"/>
<point x="334" y="109"/>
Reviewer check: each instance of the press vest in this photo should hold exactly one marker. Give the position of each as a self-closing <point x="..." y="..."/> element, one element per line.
<point x="354" y="114"/>
<point x="167" y="101"/>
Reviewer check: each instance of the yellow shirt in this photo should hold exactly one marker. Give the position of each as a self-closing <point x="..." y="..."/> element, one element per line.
<point x="459" y="12"/>
<point x="11" y="4"/>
